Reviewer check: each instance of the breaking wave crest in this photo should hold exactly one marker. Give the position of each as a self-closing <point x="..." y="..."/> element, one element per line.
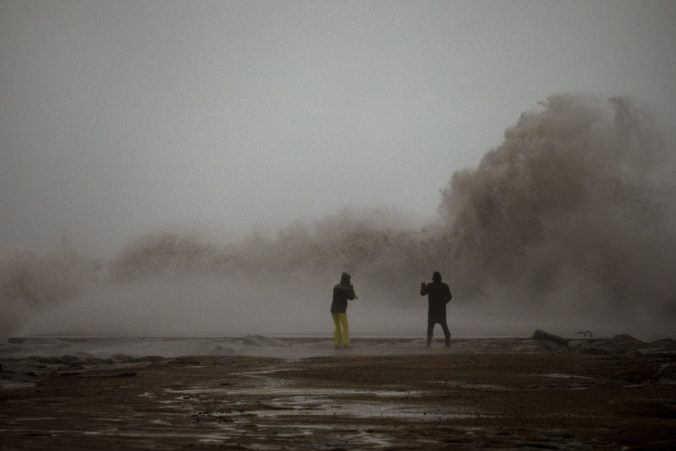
<point x="574" y="212"/>
<point x="575" y="207"/>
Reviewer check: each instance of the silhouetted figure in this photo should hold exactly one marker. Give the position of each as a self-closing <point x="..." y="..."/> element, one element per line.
<point x="342" y="292"/>
<point x="438" y="295"/>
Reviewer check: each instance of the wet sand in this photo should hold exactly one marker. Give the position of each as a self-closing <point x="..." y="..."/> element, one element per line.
<point x="508" y="393"/>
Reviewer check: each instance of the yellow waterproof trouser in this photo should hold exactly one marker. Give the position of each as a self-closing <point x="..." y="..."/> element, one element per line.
<point x="340" y="336"/>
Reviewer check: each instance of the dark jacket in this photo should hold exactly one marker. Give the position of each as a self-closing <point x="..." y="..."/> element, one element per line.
<point x="341" y="294"/>
<point x="438" y="295"/>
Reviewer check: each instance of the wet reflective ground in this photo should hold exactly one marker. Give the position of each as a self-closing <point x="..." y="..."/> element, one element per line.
<point x="555" y="400"/>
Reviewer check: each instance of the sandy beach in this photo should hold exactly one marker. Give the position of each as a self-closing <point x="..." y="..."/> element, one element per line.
<point x="299" y="393"/>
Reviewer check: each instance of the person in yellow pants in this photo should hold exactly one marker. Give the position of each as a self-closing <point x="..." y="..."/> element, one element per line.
<point x="342" y="292"/>
<point x="341" y="336"/>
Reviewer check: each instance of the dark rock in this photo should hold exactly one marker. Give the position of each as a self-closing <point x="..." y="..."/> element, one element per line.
<point x="666" y="343"/>
<point x="122" y="358"/>
<point x="152" y="358"/>
<point x="542" y="335"/>
<point x="186" y="360"/>
<point x="621" y="344"/>
<point x="666" y="374"/>
<point x="225" y="361"/>
<point x="626" y="340"/>
<point x="72" y="372"/>
<point x="69" y="359"/>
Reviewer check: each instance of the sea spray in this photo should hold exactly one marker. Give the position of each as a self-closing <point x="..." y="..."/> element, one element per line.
<point x="571" y="217"/>
<point x="31" y="282"/>
<point x="574" y="210"/>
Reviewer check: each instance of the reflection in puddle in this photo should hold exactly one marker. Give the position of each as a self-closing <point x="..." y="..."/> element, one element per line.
<point x="326" y="406"/>
<point x="265" y="391"/>
<point x="33" y="419"/>
<point x="370" y="439"/>
<point x="14" y="385"/>
<point x="465" y="385"/>
<point x="266" y="403"/>
<point x="362" y="410"/>
<point x="566" y="376"/>
<point x="277" y="401"/>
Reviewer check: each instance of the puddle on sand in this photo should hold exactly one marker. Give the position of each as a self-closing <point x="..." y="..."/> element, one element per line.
<point x="465" y="385"/>
<point x="323" y="406"/>
<point x="369" y="439"/>
<point x="16" y="420"/>
<point x="278" y="401"/>
<point x="268" y="390"/>
<point x="156" y="435"/>
<point x="214" y="439"/>
<point x="565" y="376"/>
<point x="305" y="432"/>
<point x="573" y="382"/>
<point x="161" y="422"/>
<point x="14" y="385"/>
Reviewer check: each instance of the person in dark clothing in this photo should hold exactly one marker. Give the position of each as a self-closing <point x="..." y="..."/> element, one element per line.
<point x="342" y="292"/>
<point x="438" y="295"/>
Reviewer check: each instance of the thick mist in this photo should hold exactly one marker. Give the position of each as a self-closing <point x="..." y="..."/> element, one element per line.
<point x="569" y="223"/>
<point x="573" y="213"/>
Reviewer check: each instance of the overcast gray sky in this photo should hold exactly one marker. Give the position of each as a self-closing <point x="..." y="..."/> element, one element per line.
<point x="120" y="117"/>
